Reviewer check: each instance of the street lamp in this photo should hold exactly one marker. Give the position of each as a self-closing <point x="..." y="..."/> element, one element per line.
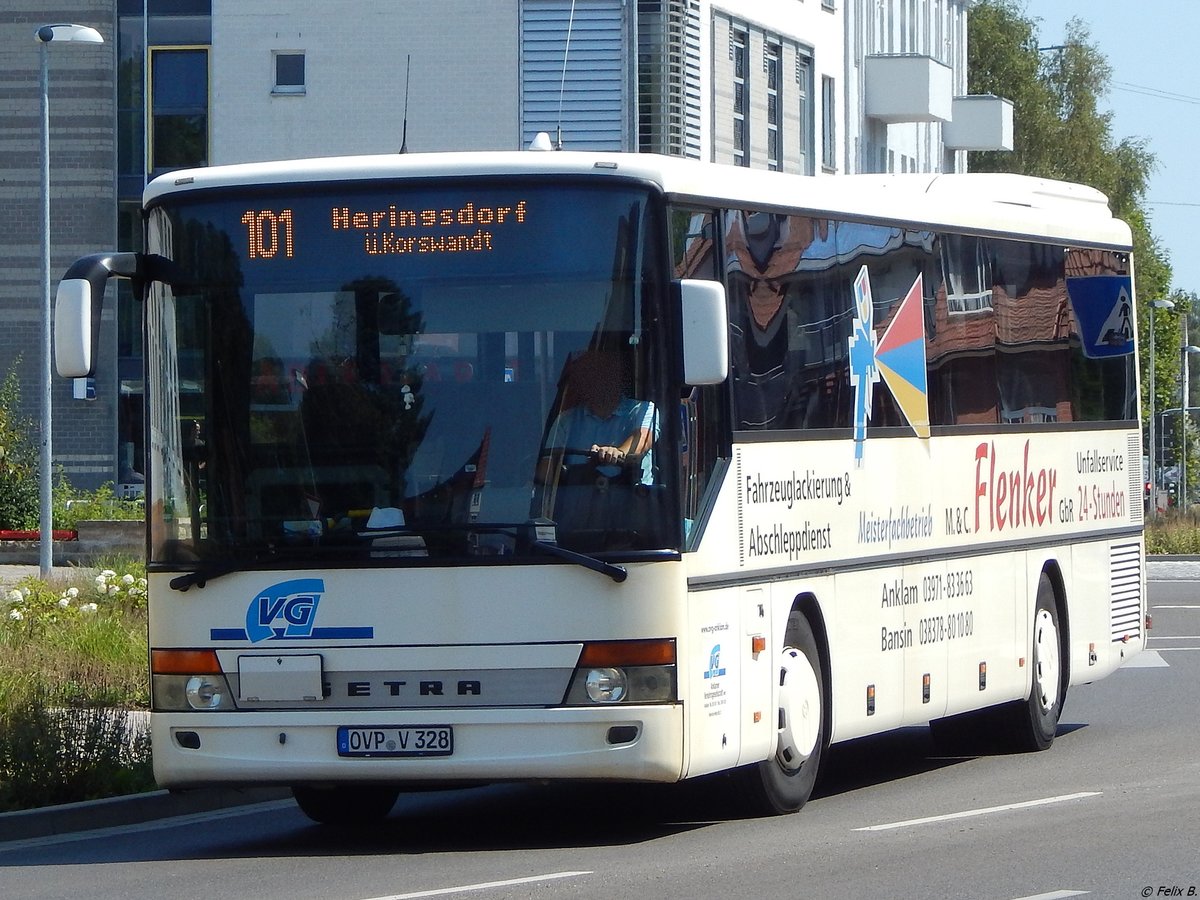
<point x="1186" y="351"/>
<point x="1154" y="304"/>
<point x="46" y="34"/>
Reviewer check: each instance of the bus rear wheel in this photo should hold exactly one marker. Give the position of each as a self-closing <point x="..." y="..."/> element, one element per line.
<point x="783" y="783"/>
<point x="1033" y="723"/>
<point x="344" y="805"/>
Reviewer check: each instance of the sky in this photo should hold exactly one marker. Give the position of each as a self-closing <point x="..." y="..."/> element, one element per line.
<point x="1155" y="94"/>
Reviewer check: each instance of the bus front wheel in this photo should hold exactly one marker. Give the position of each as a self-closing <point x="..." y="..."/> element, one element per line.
<point x="783" y="783"/>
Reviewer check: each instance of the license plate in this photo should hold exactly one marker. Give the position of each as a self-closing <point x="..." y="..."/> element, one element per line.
<point x="395" y="740"/>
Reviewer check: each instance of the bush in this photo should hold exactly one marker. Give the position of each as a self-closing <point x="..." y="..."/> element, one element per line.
<point x="73" y="681"/>
<point x="20" y="486"/>
<point x="72" y="506"/>
<point x="1174" y="534"/>
<point x="19" y="497"/>
<point x="60" y="754"/>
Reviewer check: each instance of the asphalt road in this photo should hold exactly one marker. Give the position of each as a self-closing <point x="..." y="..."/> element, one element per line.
<point x="1112" y="810"/>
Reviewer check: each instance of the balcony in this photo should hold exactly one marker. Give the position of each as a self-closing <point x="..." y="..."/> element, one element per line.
<point x="907" y="88"/>
<point x="980" y="122"/>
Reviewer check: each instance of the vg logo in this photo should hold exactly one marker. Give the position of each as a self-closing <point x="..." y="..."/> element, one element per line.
<point x="715" y="669"/>
<point x="284" y="610"/>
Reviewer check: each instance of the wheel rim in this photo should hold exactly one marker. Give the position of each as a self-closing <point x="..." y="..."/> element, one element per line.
<point x="799" y="710"/>
<point x="1045" y="656"/>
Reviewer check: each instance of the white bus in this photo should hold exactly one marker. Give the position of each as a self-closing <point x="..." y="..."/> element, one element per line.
<point x="884" y="467"/>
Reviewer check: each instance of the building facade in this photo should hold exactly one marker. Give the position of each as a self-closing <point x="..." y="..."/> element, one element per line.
<point x="820" y="87"/>
<point x="82" y="215"/>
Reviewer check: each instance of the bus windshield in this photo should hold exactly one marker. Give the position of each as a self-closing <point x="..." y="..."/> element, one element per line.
<point x="414" y="374"/>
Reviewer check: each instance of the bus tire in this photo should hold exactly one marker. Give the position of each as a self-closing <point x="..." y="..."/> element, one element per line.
<point x="783" y="783"/>
<point x="1033" y="723"/>
<point x="344" y="805"/>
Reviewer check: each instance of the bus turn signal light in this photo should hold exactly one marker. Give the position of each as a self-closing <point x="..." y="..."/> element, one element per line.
<point x="184" y="662"/>
<point x="628" y="653"/>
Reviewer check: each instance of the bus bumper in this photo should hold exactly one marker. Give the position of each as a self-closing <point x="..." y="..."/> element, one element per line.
<point x="634" y="743"/>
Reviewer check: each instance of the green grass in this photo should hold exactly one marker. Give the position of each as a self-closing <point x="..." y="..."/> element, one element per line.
<point x="1173" y="534"/>
<point x="72" y="666"/>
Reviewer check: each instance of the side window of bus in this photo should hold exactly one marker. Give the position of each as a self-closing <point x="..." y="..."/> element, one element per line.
<point x="792" y="311"/>
<point x="960" y="347"/>
<point x="1033" y="333"/>
<point x="896" y="259"/>
<point x="788" y="304"/>
<point x="1103" y="379"/>
<point x="1052" y="366"/>
<point x="702" y="413"/>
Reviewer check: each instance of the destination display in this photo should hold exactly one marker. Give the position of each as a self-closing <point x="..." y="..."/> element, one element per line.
<point x="469" y="227"/>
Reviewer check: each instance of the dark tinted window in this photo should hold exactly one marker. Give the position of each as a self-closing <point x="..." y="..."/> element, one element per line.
<point x="1015" y="332"/>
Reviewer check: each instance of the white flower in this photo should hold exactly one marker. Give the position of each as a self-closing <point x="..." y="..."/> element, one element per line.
<point x="24" y="593"/>
<point x="14" y="596"/>
<point x="108" y="573"/>
<point x="64" y="602"/>
<point x="16" y="615"/>
<point x="72" y="592"/>
<point x="101" y="581"/>
<point x="88" y="608"/>
<point x="127" y="579"/>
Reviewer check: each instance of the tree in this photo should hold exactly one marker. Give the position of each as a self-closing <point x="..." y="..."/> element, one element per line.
<point x="1060" y="130"/>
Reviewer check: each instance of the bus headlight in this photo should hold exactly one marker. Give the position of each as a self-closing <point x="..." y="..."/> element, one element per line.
<point x="187" y="693"/>
<point x="205" y="692"/>
<point x="606" y="685"/>
<point x="639" y="671"/>
<point x="622" y="684"/>
<point x="186" y="680"/>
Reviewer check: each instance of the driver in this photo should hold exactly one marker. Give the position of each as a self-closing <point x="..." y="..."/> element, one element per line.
<point x="600" y="425"/>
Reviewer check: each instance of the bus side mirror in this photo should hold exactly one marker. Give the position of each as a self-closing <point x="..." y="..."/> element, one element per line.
<point x="73" y="355"/>
<point x="77" y="307"/>
<point x="705" y="325"/>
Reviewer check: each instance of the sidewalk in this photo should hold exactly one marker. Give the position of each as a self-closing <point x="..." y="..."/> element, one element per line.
<point x="1172" y="568"/>
<point x="134" y="809"/>
<point x="11" y="574"/>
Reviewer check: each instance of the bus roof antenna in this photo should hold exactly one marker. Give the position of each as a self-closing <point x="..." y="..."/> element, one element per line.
<point x="404" y="133"/>
<point x="562" y="85"/>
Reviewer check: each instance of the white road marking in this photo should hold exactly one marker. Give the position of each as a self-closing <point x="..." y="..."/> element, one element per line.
<point x="1053" y="895"/>
<point x="1176" y="607"/>
<point x="970" y="813"/>
<point x="482" y="886"/>
<point x="1147" y="659"/>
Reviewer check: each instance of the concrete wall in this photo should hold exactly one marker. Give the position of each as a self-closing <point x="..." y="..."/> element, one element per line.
<point x="463" y="92"/>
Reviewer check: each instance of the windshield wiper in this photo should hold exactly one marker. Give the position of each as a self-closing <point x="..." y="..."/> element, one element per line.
<point x="616" y="573"/>
<point x="201" y="576"/>
<point x="533" y="530"/>
<point x="204" y="574"/>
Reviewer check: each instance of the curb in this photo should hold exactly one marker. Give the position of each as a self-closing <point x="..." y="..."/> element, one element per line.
<point x="134" y="809"/>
